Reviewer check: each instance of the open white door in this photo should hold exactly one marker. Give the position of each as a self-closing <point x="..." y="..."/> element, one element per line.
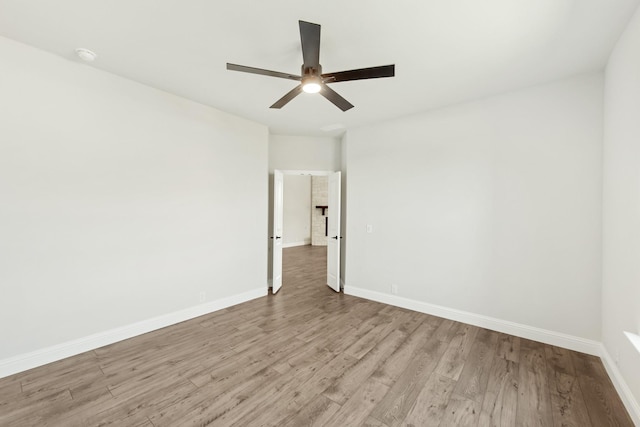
<point x="278" y="219"/>
<point x="333" y="239"/>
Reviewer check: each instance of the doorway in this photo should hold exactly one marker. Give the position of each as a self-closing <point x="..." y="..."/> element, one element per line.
<point x="330" y="208"/>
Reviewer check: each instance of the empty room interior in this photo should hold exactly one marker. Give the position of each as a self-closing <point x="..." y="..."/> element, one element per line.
<point x="289" y="213"/>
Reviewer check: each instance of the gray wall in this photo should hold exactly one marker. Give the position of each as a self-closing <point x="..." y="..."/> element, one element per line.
<point x="297" y="210"/>
<point x="621" y="275"/>
<point x="120" y="202"/>
<point x="491" y="207"/>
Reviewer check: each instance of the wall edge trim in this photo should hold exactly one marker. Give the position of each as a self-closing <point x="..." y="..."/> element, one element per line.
<point x="34" y="359"/>
<point x="629" y="401"/>
<point x="559" y="339"/>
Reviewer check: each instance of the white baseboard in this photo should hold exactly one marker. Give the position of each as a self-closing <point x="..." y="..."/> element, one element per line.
<point x="632" y="405"/>
<point x="293" y="244"/>
<point x="23" y="362"/>
<point x="524" y="331"/>
<point x="594" y="348"/>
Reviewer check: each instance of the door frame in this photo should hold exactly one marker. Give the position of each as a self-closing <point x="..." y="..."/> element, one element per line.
<point x="270" y="213"/>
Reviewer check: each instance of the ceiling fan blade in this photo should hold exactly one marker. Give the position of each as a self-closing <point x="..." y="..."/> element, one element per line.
<point x="360" y="74"/>
<point x="310" y="38"/>
<point x="288" y="97"/>
<point x="336" y="99"/>
<point x="252" y="70"/>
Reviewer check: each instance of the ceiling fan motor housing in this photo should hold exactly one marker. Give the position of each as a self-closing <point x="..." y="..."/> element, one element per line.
<point x="311" y="71"/>
<point x="311" y="75"/>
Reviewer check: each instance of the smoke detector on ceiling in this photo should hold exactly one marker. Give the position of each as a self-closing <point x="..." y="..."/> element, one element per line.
<point x="85" y="54"/>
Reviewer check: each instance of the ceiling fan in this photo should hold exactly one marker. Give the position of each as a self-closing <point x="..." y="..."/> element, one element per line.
<point x="312" y="80"/>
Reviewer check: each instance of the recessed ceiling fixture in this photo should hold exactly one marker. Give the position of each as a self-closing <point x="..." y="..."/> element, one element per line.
<point x="312" y="80"/>
<point x="85" y="54"/>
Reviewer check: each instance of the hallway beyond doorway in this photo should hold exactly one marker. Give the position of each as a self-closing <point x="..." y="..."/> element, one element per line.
<point x="304" y="268"/>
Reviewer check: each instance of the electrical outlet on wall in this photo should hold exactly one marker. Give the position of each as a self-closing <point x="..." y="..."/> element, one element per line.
<point x="394" y="289"/>
<point x="202" y="296"/>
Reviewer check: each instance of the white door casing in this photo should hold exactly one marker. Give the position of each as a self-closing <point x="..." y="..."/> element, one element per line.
<point x="278" y="219"/>
<point x="333" y="238"/>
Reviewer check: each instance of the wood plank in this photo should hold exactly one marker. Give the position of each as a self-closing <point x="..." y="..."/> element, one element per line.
<point x="431" y="403"/>
<point x="75" y="412"/>
<point x="345" y="385"/>
<point x="389" y="371"/>
<point x="62" y="374"/>
<point x="442" y="331"/>
<point x="310" y="351"/>
<point x="508" y="347"/>
<point x="315" y="414"/>
<point x="568" y="405"/>
<point x="401" y="397"/>
<point x="603" y="404"/>
<point x="559" y="360"/>
<point x="356" y="410"/>
<point x="117" y="411"/>
<point x="534" y="401"/>
<point x="338" y="343"/>
<point x="376" y="326"/>
<point x="10" y="390"/>
<point x="292" y="401"/>
<point x="459" y="347"/>
<point x="164" y="376"/>
<point x="567" y="402"/>
<point x="460" y="412"/>
<point x="206" y="404"/>
<point x="244" y="365"/>
<point x="405" y="322"/>
<point x="29" y="410"/>
<point x="473" y="380"/>
<point x="501" y="397"/>
<point x="372" y="422"/>
<point x="266" y="407"/>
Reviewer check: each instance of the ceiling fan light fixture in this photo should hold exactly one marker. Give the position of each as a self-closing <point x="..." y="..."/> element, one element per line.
<point x="311" y="88"/>
<point x="311" y="85"/>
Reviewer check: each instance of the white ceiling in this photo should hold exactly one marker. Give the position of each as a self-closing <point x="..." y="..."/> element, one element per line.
<point x="445" y="51"/>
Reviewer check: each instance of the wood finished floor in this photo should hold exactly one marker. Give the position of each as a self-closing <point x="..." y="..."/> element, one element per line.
<point x="309" y="356"/>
